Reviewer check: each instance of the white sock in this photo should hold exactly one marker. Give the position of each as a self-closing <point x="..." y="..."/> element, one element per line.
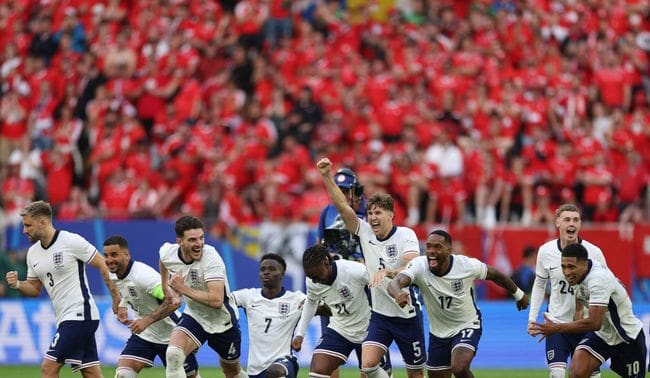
<point x="125" y="372"/>
<point x="375" y="372"/>
<point x="556" y="372"/>
<point x="175" y="360"/>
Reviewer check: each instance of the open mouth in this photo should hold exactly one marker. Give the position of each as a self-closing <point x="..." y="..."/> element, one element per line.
<point x="433" y="262"/>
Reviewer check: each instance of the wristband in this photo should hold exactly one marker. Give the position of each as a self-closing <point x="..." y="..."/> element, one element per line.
<point x="17" y="285"/>
<point x="518" y="294"/>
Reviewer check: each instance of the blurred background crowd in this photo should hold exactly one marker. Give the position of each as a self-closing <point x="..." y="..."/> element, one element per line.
<point x="466" y="111"/>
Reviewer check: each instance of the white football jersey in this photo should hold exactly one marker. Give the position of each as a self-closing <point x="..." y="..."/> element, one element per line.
<point x="346" y="297"/>
<point x="388" y="253"/>
<point x="449" y="299"/>
<point x="136" y="289"/>
<point x="271" y="322"/>
<point x="549" y="260"/>
<point x="196" y="275"/>
<point x="62" y="270"/>
<point x="601" y="288"/>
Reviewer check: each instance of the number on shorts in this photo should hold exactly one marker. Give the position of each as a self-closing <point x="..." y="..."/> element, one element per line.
<point x="232" y="350"/>
<point x="417" y="351"/>
<point x="55" y="340"/>
<point x="633" y="368"/>
<point x="466" y="333"/>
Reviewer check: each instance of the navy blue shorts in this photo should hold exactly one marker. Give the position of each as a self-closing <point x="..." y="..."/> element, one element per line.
<point x="627" y="360"/>
<point x="408" y="334"/>
<point x="334" y="344"/>
<point x="560" y="346"/>
<point x="440" y="349"/>
<point x="144" y="351"/>
<point x="289" y="363"/>
<point x="227" y="344"/>
<point x="74" y="344"/>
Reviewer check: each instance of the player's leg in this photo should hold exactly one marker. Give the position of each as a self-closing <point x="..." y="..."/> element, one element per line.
<point x="74" y="342"/>
<point x="463" y="350"/>
<point x="185" y="338"/>
<point x="284" y="367"/>
<point x="50" y="369"/>
<point x="409" y="337"/>
<point x="375" y="346"/>
<point x="332" y="352"/>
<point x="324" y="321"/>
<point x="583" y="363"/>
<point x="558" y="349"/>
<point x="228" y="346"/>
<point x="628" y="359"/>
<point x="439" y="357"/>
<point x="136" y="355"/>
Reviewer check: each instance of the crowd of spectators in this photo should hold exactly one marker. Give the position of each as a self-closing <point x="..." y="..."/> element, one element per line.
<point x="465" y="111"/>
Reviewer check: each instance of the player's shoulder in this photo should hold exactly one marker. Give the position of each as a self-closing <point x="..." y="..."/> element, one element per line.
<point x="405" y="232"/>
<point x="591" y="247"/>
<point x="139" y="268"/>
<point x="167" y="250"/>
<point x="294" y="296"/>
<point x="549" y="246"/>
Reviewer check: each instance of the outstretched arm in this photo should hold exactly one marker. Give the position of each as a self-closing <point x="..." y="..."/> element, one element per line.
<point x="395" y="289"/>
<point x="505" y="282"/>
<point x="337" y="197"/>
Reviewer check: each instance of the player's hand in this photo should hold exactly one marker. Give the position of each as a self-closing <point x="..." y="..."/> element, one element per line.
<point x="377" y="278"/>
<point x="12" y="279"/>
<point x="403" y="298"/>
<point x="324" y="166"/>
<point x="139" y="325"/>
<point x="549" y="327"/>
<point x="296" y="343"/>
<point x="176" y="282"/>
<point x="123" y="315"/>
<point x="522" y="304"/>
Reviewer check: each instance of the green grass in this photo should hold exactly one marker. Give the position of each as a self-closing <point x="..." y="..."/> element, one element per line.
<point x="19" y="371"/>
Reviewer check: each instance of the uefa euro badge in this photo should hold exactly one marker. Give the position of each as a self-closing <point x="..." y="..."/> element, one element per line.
<point x="57" y="258"/>
<point x="391" y="251"/>
<point x="457" y="286"/>
<point x="283" y="308"/>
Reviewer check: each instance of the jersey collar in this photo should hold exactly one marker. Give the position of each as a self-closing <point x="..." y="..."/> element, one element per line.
<point x="180" y="257"/>
<point x="451" y="264"/>
<point x="392" y="231"/>
<point x="559" y="245"/>
<point x="280" y="293"/>
<point x="128" y="270"/>
<point x="56" y="235"/>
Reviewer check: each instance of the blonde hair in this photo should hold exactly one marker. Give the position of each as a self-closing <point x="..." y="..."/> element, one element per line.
<point x="567" y="207"/>
<point x="37" y="209"/>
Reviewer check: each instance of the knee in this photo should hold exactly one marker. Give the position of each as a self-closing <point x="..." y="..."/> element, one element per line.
<point x="577" y="371"/>
<point x="276" y="371"/>
<point x="125" y="372"/>
<point x="175" y="357"/>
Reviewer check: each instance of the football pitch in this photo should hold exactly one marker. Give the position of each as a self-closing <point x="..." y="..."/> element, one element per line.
<point x="20" y="371"/>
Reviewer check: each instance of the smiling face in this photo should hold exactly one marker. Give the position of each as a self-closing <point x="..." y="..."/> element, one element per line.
<point x="574" y="270"/>
<point x="191" y="244"/>
<point x="271" y="273"/>
<point x="568" y="223"/>
<point x="437" y="252"/>
<point x="116" y="258"/>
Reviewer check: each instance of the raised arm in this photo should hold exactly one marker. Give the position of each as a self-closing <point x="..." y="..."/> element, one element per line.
<point x="505" y="282"/>
<point x="337" y="197"/>
<point x="395" y="289"/>
<point x="99" y="263"/>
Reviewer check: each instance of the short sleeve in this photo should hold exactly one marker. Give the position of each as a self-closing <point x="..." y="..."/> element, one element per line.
<point x="411" y="243"/>
<point x="477" y="268"/>
<point x="82" y="249"/>
<point x="242" y="297"/>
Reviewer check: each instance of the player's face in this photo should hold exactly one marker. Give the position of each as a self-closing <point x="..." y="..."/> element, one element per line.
<point x="380" y="220"/>
<point x="574" y="270"/>
<point x="192" y="244"/>
<point x="34" y="228"/>
<point x="320" y="273"/>
<point x="437" y="252"/>
<point x="271" y="273"/>
<point x="568" y="223"/>
<point x="116" y="258"/>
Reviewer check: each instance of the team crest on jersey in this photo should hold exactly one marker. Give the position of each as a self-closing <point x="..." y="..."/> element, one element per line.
<point x="550" y="354"/>
<point x="283" y="308"/>
<point x="194" y="277"/>
<point x="457" y="286"/>
<point x="132" y="292"/>
<point x="345" y="292"/>
<point x="57" y="258"/>
<point x="391" y="250"/>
